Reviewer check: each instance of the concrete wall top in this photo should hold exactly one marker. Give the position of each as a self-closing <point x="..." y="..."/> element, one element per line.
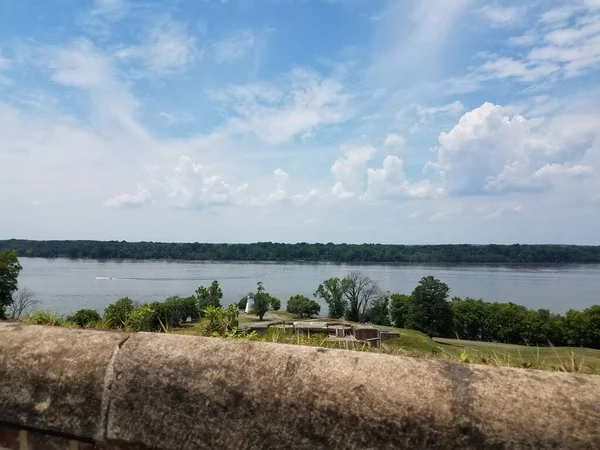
<point x="167" y="391"/>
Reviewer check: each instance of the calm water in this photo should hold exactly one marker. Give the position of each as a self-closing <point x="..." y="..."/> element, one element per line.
<point x="67" y="285"/>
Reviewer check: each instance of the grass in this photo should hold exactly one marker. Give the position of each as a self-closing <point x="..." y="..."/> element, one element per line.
<point x="567" y="359"/>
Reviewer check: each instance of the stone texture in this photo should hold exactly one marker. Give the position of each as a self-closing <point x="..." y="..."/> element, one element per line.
<point x="53" y="378"/>
<point x="185" y="392"/>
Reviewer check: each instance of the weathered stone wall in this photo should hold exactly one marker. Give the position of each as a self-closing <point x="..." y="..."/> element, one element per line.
<point x="83" y="389"/>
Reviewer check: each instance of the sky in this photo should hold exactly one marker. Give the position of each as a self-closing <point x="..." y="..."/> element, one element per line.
<point x="406" y="121"/>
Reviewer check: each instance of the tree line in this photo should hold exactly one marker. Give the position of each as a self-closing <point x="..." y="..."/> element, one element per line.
<point x="428" y="309"/>
<point x="269" y="251"/>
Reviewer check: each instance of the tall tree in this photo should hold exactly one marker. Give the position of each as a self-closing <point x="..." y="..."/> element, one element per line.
<point x="359" y="291"/>
<point x="332" y="291"/>
<point x="210" y="296"/>
<point x="262" y="301"/>
<point x="429" y="310"/>
<point x="9" y="273"/>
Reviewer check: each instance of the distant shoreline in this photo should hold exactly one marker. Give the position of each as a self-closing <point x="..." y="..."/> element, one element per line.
<point x="268" y="252"/>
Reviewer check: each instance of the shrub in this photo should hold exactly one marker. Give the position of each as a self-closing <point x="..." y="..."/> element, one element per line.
<point x="39" y="317"/>
<point x="302" y="306"/>
<point x="84" y="317"/>
<point x="243" y="302"/>
<point x="143" y="319"/>
<point x="221" y="322"/>
<point x="117" y="314"/>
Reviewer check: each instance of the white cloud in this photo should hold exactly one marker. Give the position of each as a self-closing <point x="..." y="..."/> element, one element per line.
<point x="349" y="171"/>
<point x="298" y="103"/>
<point x="394" y="140"/>
<point x="498" y="15"/>
<point x="169" y="47"/>
<point x="558" y="14"/>
<point x="565" y="49"/>
<point x="490" y="152"/>
<point x="189" y="186"/>
<point x="302" y="199"/>
<point x="390" y="182"/>
<point x="141" y="198"/>
<point x="234" y="47"/>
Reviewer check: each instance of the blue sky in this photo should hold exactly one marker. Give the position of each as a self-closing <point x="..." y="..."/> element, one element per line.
<point x="422" y="121"/>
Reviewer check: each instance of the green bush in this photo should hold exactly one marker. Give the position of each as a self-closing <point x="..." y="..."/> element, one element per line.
<point x="243" y="302"/>
<point x="302" y="306"/>
<point x="84" y="317"/>
<point x="39" y="317"/>
<point x="143" y="318"/>
<point x="117" y="314"/>
<point x="221" y="322"/>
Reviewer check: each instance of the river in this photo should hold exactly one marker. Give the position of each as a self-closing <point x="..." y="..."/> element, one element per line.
<point x="66" y="285"/>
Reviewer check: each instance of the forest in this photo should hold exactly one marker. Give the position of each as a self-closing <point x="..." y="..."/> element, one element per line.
<point x="342" y="253"/>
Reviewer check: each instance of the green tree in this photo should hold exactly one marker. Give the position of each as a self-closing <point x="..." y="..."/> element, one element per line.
<point x="332" y="292"/>
<point x="471" y="319"/>
<point x="399" y="306"/>
<point x="359" y="291"/>
<point x="302" y="306"/>
<point x="9" y="273"/>
<point x="429" y="310"/>
<point x="117" y="314"/>
<point x="84" y="317"/>
<point x="378" y="311"/>
<point x="275" y="304"/>
<point x="262" y="301"/>
<point x="210" y="296"/>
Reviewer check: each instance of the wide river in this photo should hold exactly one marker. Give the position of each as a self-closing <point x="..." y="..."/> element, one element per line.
<point x="67" y="285"/>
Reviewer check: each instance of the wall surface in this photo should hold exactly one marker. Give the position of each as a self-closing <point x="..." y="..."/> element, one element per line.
<point x="83" y="389"/>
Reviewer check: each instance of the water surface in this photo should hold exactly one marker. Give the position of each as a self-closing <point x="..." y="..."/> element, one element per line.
<point x="67" y="285"/>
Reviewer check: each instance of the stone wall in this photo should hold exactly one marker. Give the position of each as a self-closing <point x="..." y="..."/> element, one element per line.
<point x="84" y="389"/>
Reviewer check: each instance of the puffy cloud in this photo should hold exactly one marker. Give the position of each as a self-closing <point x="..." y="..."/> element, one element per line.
<point x="490" y="152"/>
<point x="136" y="200"/>
<point x="349" y="171"/>
<point x="390" y="182"/>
